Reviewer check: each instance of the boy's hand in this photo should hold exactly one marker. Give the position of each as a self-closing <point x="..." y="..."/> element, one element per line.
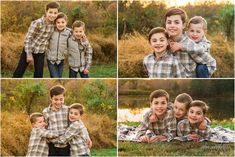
<point x="86" y="71"/>
<point x="203" y="125"/>
<point x="175" y="46"/>
<point x="195" y="137"/>
<point x="30" y="59"/>
<point x="153" y="118"/>
<point x="144" y="139"/>
<point x="89" y="143"/>
<point x="157" y="138"/>
<point x="84" y="38"/>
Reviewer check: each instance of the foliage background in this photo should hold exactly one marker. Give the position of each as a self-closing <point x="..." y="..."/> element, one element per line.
<point x="100" y="18"/>
<point x="137" y="18"/>
<point x="19" y="98"/>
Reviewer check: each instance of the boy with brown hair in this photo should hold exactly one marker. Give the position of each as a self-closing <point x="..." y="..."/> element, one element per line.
<point x="36" y="42"/>
<point x="79" y="51"/>
<point x="38" y="138"/>
<point x="56" y="116"/>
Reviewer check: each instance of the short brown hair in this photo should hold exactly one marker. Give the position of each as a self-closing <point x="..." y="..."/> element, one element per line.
<point x="197" y="20"/>
<point x="33" y="117"/>
<point x="78" y="107"/>
<point x="176" y="11"/>
<point x="78" y="23"/>
<point x="61" y="15"/>
<point x="157" y="30"/>
<point x="184" y="98"/>
<point x="57" y="90"/>
<point x="159" y="93"/>
<point x="200" y="104"/>
<point x="52" y="5"/>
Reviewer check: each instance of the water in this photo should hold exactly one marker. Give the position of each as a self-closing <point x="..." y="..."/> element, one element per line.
<point x="131" y="108"/>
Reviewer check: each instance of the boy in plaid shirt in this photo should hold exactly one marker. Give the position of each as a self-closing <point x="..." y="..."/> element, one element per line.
<point x="76" y="134"/>
<point x="188" y="129"/>
<point x="36" y="42"/>
<point x="79" y="51"/>
<point x="175" y="20"/>
<point x="56" y="116"/>
<point x="38" y="138"/>
<point x="165" y="128"/>
<point x="161" y="63"/>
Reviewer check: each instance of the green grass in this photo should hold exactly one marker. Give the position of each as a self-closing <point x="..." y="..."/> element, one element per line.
<point x="96" y="71"/>
<point x="104" y="152"/>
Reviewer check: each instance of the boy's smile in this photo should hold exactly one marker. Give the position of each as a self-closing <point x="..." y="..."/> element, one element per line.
<point x="40" y="123"/>
<point x="158" y="42"/>
<point x="61" y="24"/>
<point x="57" y="101"/>
<point x="159" y="106"/>
<point x="78" y="32"/>
<point x="74" y="115"/>
<point x="174" y="26"/>
<point x="196" y="32"/>
<point x="179" y="109"/>
<point x="195" y="115"/>
<point x="51" y="14"/>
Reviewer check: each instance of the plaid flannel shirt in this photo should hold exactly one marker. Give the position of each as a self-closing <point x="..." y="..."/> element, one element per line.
<point x="204" y="57"/>
<point x="77" y="136"/>
<point x="166" y="67"/>
<point x="57" y="120"/>
<point x="37" y="38"/>
<point x="184" y="129"/>
<point x="79" y="54"/>
<point x="37" y="142"/>
<point x="166" y="126"/>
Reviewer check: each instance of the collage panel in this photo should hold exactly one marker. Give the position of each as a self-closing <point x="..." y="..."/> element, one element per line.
<point x="64" y="39"/>
<point x="78" y="116"/>
<point x="176" y="117"/>
<point x="176" y="39"/>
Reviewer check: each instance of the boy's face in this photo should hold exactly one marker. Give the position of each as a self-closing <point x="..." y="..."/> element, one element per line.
<point x="40" y="123"/>
<point x="195" y="115"/>
<point x="61" y="24"/>
<point x="78" y="32"/>
<point x="74" y="115"/>
<point x="158" y="42"/>
<point x="174" y="25"/>
<point x="57" y="101"/>
<point x="51" y="14"/>
<point x="179" y="109"/>
<point x="196" y="32"/>
<point x="159" y="105"/>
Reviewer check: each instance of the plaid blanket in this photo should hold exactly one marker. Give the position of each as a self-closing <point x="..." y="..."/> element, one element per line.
<point x="218" y="134"/>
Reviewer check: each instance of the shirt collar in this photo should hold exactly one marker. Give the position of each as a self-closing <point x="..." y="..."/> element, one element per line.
<point x="163" y="55"/>
<point x="45" y="21"/>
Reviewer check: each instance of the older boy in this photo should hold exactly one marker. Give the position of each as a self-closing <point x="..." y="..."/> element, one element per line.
<point x="76" y="134"/>
<point x="165" y="127"/>
<point x="79" y="51"/>
<point x="38" y="142"/>
<point x="175" y="22"/>
<point x="188" y="129"/>
<point x="56" y="116"/>
<point x="36" y="42"/>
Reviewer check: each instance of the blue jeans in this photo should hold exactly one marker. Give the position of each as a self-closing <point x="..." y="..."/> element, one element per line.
<point x="202" y="71"/>
<point x="23" y="64"/>
<point x="73" y="74"/>
<point x="55" y="70"/>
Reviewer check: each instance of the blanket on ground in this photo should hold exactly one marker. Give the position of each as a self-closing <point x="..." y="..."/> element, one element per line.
<point x="218" y="134"/>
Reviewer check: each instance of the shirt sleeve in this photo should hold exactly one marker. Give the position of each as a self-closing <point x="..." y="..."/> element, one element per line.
<point x="88" y="55"/>
<point x="47" y="133"/>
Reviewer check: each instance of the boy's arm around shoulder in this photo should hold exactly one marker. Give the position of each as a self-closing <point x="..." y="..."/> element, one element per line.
<point x="47" y="133"/>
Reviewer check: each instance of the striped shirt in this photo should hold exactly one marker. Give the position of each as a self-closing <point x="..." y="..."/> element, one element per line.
<point x="77" y="136"/>
<point x="37" y="38"/>
<point x="184" y="129"/>
<point x="165" y="126"/>
<point x="37" y="142"/>
<point x="57" y="120"/>
<point x="167" y="66"/>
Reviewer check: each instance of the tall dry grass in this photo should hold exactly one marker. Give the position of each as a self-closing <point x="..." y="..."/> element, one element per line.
<point x="16" y="128"/>
<point x="133" y="48"/>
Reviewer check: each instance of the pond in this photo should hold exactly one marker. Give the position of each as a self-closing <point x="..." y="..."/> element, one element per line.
<point x="131" y="108"/>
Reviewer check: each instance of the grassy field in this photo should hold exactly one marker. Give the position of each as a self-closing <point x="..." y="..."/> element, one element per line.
<point x="177" y="148"/>
<point x="96" y="71"/>
<point x="104" y="152"/>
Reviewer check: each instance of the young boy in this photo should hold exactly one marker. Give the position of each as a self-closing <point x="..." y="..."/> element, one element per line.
<point x="188" y="129"/>
<point x="58" y="46"/>
<point x="161" y="63"/>
<point x="165" y="127"/>
<point x="76" y="134"/>
<point x="206" y="64"/>
<point x="56" y="116"/>
<point x="36" y="42"/>
<point x="175" y="22"/>
<point x="38" y="138"/>
<point x="79" y="51"/>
